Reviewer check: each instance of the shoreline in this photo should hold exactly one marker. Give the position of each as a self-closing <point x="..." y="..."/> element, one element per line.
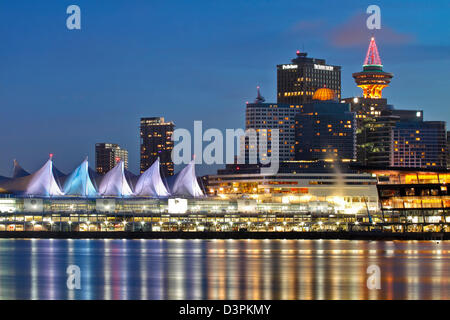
<point x="332" y="235"/>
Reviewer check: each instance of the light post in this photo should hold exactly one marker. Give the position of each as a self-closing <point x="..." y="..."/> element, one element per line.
<point x="32" y="223"/>
<point x="70" y="226"/>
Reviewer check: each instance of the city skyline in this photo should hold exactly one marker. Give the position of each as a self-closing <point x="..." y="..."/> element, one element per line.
<point x="59" y="90"/>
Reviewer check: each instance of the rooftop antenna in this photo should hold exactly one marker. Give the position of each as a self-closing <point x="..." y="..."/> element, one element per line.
<point x="259" y="97"/>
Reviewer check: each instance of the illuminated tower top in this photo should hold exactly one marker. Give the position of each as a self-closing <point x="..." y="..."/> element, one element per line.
<point x="372" y="79"/>
<point x="372" y="57"/>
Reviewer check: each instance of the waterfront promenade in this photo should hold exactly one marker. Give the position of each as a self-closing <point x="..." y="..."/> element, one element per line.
<point x="343" y="235"/>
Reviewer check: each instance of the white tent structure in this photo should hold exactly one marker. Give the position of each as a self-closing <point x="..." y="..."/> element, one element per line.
<point x="150" y="183"/>
<point x="78" y="183"/>
<point x="186" y="183"/>
<point x="43" y="183"/>
<point x="114" y="183"/>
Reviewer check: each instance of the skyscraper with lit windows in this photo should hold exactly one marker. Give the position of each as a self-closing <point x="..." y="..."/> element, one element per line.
<point x="264" y="117"/>
<point x="297" y="81"/>
<point x="107" y="155"/>
<point x="156" y="142"/>
<point x="326" y="129"/>
<point x="389" y="137"/>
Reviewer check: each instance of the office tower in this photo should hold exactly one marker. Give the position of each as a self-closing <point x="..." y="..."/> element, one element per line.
<point x="264" y="117"/>
<point x="325" y="130"/>
<point x="419" y="144"/>
<point x="297" y="82"/>
<point x="156" y="142"/>
<point x="107" y="155"/>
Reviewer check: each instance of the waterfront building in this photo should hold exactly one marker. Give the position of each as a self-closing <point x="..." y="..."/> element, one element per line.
<point x="156" y="143"/>
<point x="325" y="129"/>
<point x="361" y="199"/>
<point x="263" y="118"/>
<point x="117" y="182"/>
<point x="107" y="155"/>
<point x="332" y="191"/>
<point x="297" y="82"/>
<point x="413" y="195"/>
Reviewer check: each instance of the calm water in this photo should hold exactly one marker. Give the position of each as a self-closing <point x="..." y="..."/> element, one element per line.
<point x="223" y="269"/>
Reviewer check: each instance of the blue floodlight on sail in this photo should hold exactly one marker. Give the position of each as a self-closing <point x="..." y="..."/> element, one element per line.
<point x="78" y="183"/>
<point x="43" y="182"/>
<point x="150" y="183"/>
<point x="18" y="171"/>
<point x="186" y="183"/>
<point x="114" y="183"/>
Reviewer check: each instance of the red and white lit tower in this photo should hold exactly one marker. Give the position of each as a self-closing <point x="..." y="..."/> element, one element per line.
<point x="372" y="79"/>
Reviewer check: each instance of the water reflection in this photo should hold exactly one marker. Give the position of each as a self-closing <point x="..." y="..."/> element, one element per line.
<point x="223" y="269"/>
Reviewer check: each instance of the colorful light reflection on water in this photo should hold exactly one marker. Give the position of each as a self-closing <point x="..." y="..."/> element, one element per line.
<point x="223" y="269"/>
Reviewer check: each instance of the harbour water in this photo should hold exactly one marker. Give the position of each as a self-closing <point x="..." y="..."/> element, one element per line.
<point x="223" y="269"/>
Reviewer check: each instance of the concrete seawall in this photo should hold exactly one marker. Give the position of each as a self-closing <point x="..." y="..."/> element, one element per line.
<point x="358" y="235"/>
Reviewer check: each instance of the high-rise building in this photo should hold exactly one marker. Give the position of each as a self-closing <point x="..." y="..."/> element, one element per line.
<point x="297" y="82"/>
<point x="419" y="144"/>
<point x="326" y="129"/>
<point x="373" y="112"/>
<point x="107" y="155"/>
<point x="380" y="126"/>
<point x="264" y="117"/>
<point x="156" y="142"/>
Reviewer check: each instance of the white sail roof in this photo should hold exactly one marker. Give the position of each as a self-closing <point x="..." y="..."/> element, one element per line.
<point x="78" y="183"/>
<point x="186" y="183"/>
<point x="43" y="183"/>
<point x="114" y="183"/>
<point x="150" y="183"/>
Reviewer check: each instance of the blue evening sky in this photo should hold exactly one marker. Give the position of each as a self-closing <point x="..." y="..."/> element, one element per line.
<point x="62" y="91"/>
